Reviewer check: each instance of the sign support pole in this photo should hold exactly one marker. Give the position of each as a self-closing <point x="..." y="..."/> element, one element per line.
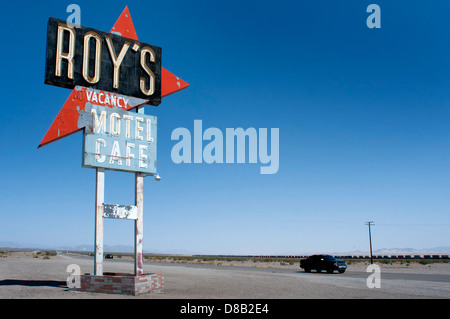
<point x="99" y="199"/>
<point x="138" y="223"/>
<point x="139" y="226"/>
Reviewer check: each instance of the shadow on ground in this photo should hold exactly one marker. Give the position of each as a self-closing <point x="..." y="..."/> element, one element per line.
<point x="33" y="283"/>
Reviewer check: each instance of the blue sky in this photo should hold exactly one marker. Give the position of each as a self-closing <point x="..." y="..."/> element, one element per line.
<point x="363" y="117"/>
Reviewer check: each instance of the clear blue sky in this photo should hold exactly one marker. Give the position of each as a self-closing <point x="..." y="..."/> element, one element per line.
<point x="363" y="117"/>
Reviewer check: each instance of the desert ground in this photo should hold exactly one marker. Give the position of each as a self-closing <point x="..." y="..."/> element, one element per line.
<point x="41" y="276"/>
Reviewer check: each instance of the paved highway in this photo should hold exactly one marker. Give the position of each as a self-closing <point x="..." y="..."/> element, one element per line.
<point x="407" y="276"/>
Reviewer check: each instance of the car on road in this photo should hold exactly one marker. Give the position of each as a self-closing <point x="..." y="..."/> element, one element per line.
<point x="323" y="262"/>
<point x="108" y="256"/>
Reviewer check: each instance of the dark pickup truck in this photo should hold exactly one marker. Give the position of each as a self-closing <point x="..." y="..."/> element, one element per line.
<point x="323" y="262"/>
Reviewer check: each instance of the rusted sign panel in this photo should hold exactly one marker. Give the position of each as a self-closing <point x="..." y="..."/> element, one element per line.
<point x="120" y="211"/>
<point x="116" y="139"/>
<point x="105" y="61"/>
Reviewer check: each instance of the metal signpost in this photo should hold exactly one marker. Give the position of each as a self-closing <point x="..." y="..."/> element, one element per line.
<point x="112" y="76"/>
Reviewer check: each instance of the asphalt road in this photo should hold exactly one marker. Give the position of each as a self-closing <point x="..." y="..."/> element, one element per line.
<point x="38" y="278"/>
<point x="407" y="276"/>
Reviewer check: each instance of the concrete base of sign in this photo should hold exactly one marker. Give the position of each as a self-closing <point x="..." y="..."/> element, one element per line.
<point x="122" y="284"/>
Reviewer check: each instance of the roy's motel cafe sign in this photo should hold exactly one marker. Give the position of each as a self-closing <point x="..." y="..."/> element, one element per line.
<point x="112" y="76"/>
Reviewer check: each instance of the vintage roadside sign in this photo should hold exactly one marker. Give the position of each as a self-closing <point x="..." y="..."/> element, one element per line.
<point x="66" y="121"/>
<point x="119" y="140"/>
<point x="110" y="75"/>
<point x="106" y="61"/>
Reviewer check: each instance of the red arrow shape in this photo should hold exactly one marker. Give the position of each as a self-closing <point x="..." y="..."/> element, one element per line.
<point x="66" y="122"/>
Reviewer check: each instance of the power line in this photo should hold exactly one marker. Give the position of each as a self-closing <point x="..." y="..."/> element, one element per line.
<point x="421" y="224"/>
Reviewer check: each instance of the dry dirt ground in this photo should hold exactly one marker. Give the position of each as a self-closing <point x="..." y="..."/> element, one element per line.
<point x="22" y="275"/>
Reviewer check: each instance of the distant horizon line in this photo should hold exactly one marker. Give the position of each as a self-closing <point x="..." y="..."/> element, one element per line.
<point x="130" y="249"/>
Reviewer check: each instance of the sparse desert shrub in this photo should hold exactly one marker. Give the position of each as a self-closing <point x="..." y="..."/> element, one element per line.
<point x="50" y="253"/>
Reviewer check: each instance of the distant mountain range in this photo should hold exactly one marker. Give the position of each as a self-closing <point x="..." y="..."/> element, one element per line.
<point x="413" y="251"/>
<point x="88" y="248"/>
<point x="130" y="249"/>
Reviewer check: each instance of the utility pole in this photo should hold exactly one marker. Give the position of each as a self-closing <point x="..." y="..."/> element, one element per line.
<point x="370" y="241"/>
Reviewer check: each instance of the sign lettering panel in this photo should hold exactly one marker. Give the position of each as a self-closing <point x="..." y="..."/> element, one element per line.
<point x="104" y="61"/>
<point x="119" y="140"/>
<point x="119" y="211"/>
